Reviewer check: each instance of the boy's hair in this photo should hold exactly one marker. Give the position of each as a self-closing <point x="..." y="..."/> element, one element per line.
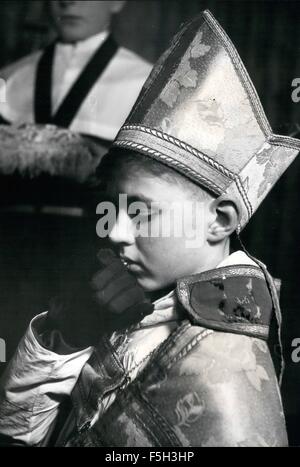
<point x="114" y="163"/>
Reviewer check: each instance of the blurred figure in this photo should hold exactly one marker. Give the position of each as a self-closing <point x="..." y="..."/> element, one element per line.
<point x="84" y="81"/>
<point x="83" y="84"/>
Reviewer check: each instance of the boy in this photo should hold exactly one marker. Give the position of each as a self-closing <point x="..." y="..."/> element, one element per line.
<point x="171" y="348"/>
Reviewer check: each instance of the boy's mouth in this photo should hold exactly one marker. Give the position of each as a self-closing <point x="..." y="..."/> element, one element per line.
<point x="124" y="262"/>
<point x="132" y="266"/>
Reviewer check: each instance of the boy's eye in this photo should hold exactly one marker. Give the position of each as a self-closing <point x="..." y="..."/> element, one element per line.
<point x="113" y="201"/>
<point x="142" y="215"/>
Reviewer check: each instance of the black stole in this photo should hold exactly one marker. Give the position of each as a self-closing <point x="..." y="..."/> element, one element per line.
<point x="79" y="91"/>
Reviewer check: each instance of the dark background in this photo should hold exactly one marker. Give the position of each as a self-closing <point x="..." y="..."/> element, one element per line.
<point x="38" y="252"/>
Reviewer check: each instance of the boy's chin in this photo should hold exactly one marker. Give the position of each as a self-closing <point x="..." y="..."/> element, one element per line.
<point x="147" y="284"/>
<point x="152" y="286"/>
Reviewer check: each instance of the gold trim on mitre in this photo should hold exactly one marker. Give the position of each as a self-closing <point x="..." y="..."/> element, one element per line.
<point x="200" y="114"/>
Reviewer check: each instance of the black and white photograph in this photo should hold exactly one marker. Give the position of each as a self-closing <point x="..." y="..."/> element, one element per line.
<point x="149" y="240"/>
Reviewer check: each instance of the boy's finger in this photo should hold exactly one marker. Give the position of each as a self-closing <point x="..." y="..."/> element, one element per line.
<point x="106" y="256"/>
<point x="122" y="284"/>
<point x="111" y="273"/>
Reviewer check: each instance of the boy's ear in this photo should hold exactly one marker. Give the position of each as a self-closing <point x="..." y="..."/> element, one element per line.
<point x="117" y="6"/>
<point x="226" y="218"/>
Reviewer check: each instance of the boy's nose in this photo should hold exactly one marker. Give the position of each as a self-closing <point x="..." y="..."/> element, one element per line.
<point x="122" y="231"/>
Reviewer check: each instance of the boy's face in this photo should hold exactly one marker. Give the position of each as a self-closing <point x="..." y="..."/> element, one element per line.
<point x="78" y="20"/>
<point x="157" y="261"/>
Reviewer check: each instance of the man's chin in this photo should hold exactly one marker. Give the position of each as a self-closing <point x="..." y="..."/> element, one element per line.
<point x="72" y="35"/>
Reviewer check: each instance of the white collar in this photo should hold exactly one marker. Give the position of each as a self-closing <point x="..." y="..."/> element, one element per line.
<point x="238" y="257"/>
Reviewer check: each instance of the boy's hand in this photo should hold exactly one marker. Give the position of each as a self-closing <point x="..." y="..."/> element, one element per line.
<point x="120" y="298"/>
<point x="113" y="300"/>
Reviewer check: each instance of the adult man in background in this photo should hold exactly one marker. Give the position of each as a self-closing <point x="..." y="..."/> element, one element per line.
<point x="84" y="81"/>
<point x="83" y="84"/>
